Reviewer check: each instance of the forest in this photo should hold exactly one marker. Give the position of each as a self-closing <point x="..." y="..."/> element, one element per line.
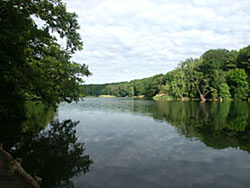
<point x="218" y="74"/>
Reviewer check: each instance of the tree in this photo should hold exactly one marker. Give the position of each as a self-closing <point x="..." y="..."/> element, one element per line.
<point x="188" y="66"/>
<point x="213" y="62"/>
<point x="33" y="65"/>
<point x="224" y="91"/>
<point x="243" y="59"/>
<point x="197" y="78"/>
<point x="152" y="85"/>
<point x="218" y="82"/>
<point x="56" y="77"/>
<point x="219" y="59"/>
<point x="237" y="81"/>
<point x="176" y="85"/>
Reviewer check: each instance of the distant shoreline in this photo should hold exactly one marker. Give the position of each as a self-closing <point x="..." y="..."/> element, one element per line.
<point x="164" y="98"/>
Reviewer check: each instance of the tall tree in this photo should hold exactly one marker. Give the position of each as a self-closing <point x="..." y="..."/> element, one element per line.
<point x="33" y="65"/>
<point x="196" y="77"/>
<point x="243" y="59"/>
<point x="237" y="81"/>
<point x="176" y="85"/>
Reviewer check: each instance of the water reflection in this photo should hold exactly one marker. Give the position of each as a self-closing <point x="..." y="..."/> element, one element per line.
<point x="10" y="118"/>
<point x="138" y="143"/>
<point x="218" y="125"/>
<point x="25" y="120"/>
<point x="54" y="154"/>
<point x="128" y="146"/>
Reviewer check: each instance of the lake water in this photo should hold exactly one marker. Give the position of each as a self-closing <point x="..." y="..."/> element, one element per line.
<point x="144" y="143"/>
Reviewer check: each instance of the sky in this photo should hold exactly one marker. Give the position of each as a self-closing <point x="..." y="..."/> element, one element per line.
<point x="133" y="39"/>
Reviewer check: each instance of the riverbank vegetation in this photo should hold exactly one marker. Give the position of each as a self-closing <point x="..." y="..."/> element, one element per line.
<point x="37" y="73"/>
<point x="218" y="74"/>
<point x="34" y="66"/>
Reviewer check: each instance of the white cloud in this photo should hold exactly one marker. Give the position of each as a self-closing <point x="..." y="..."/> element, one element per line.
<point x="125" y="40"/>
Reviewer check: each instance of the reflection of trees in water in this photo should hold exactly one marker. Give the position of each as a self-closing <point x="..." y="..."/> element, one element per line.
<point x="25" y="119"/>
<point x="54" y="155"/>
<point x="10" y="118"/>
<point x="219" y="125"/>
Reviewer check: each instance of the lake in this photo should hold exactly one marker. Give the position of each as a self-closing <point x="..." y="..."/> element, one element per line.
<point x="145" y="143"/>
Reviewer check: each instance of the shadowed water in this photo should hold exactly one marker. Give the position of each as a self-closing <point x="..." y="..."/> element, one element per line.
<point x="53" y="152"/>
<point x="143" y="143"/>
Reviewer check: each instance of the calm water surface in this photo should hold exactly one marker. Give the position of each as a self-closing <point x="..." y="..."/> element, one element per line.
<point x="143" y="143"/>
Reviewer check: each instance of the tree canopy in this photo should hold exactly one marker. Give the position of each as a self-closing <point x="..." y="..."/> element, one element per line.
<point x="33" y="64"/>
<point x="218" y="74"/>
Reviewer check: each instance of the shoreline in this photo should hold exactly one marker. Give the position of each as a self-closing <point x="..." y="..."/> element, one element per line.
<point x="168" y="98"/>
<point x="13" y="173"/>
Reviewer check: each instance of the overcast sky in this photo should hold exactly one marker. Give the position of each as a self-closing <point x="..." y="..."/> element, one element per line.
<point x="132" y="39"/>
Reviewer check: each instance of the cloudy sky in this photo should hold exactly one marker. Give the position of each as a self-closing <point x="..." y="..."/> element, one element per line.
<point x="132" y="39"/>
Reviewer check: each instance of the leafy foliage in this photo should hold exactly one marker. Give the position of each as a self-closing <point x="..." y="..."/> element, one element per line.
<point x="237" y="80"/>
<point x="147" y="87"/>
<point x="215" y="75"/>
<point x="33" y="65"/>
<point x="243" y="59"/>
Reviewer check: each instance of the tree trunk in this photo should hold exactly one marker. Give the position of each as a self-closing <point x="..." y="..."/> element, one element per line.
<point x="18" y="168"/>
<point x="182" y="98"/>
<point x="202" y="97"/>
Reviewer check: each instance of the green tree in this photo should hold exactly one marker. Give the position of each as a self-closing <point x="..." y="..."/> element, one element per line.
<point x="219" y="59"/>
<point x="197" y="78"/>
<point x="243" y="59"/>
<point x="213" y="62"/>
<point x="237" y="81"/>
<point x="188" y="66"/>
<point x="218" y="82"/>
<point x="176" y="85"/>
<point x="33" y="66"/>
<point x="224" y="91"/>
